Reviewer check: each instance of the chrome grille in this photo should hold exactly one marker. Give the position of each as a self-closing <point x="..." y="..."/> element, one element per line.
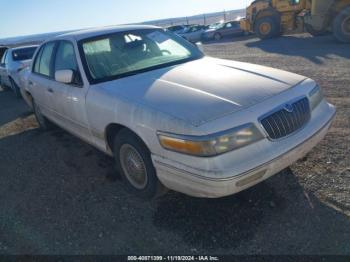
<point x="287" y="119"/>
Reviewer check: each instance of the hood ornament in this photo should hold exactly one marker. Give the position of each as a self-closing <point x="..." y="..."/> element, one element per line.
<point x="289" y="108"/>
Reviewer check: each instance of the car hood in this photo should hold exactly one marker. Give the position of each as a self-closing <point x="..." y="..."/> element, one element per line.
<point x="205" y="89"/>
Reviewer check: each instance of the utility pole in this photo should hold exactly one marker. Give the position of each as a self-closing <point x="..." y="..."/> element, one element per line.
<point x="205" y="19"/>
<point x="224" y="15"/>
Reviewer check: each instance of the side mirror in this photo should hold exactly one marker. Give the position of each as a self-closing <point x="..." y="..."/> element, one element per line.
<point x="64" y="76"/>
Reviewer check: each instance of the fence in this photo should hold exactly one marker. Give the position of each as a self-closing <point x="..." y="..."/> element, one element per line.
<point x="205" y="19"/>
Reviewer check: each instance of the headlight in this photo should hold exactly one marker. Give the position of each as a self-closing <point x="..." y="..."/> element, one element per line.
<point x="315" y="96"/>
<point x="211" y="145"/>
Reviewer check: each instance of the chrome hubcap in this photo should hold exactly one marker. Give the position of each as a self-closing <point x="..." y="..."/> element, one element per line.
<point x="133" y="166"/>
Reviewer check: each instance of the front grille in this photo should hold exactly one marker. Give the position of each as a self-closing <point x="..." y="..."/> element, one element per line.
<point x="287" y="119"/>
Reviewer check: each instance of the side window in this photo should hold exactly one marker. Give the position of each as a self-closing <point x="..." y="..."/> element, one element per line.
<point x="37" y="60"/>
<point x="4" y="57"/>
<point x="44" y="59"/>
<point x="7" y="58"/>
<point x="66" y="60"/>
<point x="65" y="57"/>
<point x="228" y="25"/>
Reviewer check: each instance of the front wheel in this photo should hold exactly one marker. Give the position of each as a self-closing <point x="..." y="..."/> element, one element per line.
<point x="133" y="161"/>
<point x="266" y="27"/>
<point x="341" y="26"/>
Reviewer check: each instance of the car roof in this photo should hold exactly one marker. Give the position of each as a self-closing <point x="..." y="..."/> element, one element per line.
<point x="94" y="32"/>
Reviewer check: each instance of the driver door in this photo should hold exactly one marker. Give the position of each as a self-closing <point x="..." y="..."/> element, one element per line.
<point x="69" y="99"/>
<point x="227" y="29"/>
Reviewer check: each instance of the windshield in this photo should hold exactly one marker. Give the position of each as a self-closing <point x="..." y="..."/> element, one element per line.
<point x="23" y="53"/>
<point x="126" y="53"/>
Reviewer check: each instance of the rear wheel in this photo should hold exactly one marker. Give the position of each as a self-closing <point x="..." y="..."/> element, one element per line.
<point x="341" y="26"/>
<point x="266" y="27"/>
<point x="44" y="123"/>
<point x="15" y="89"/>
<point x="133" y="161"/>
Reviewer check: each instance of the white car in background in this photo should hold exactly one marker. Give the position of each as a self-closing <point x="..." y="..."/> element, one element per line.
<point x="12" y="63"/>
<point x="177" y="28"/>
<point x="193" y="33"/>
<point x="172" y="117"/>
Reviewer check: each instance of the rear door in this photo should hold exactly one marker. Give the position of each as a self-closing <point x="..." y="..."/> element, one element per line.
<point x="41" y="77"/>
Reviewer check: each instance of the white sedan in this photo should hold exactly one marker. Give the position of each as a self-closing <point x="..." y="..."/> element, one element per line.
<point x="193" y="33"/>
<point x="14" y="61"/>
<point x="171" y="117"/>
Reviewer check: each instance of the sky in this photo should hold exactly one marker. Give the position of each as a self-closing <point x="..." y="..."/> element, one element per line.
<point x="26" y="17"/>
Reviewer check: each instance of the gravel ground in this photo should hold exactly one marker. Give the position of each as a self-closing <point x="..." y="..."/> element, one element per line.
<point x="59" y="196"/>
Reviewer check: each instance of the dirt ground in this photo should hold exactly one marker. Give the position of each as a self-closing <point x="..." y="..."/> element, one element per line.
<point x="58" y="195"/>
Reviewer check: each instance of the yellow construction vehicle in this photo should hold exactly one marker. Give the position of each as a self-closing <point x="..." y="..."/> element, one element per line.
<point x="270" y="18"/>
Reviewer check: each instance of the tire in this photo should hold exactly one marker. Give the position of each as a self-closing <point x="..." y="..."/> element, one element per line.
<point x="15" y="89"/>
<point x="341" y="26"/>
<point x="312" y="31"/>
<point x="5" y="88"/>
<point x="44" y="123"/>
<point x="266" y="27"/>
<point x="131" y="156"/>
<point x="217" y="37"/>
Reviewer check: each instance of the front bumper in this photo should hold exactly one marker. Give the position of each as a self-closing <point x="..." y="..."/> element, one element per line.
<point x="205" y="183"/>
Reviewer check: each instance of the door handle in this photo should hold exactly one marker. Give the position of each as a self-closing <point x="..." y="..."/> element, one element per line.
<point x="50" y="90"/>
